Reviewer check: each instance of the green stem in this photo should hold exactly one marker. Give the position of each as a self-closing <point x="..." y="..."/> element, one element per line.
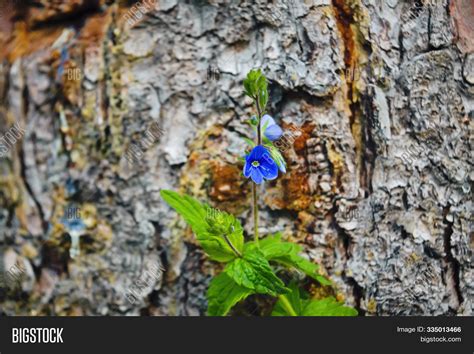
<point x="259" y="128"/>
<point x="255" y="212"/>
<point x="254" y="186"/>
<point x="287" y="305"/>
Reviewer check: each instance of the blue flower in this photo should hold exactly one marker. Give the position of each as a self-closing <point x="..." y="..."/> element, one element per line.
<point x="259" y="165"/>
<point x="272" y="130"/>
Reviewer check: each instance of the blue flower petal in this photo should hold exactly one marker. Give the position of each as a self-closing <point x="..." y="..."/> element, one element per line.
<point x="248" y="169"/>
<point x="273" y="132"/>
<point x="256" y="153"/>
<point x="265" y="168"/>
<point x="256" y="175"/>
<point x="268" y="167"/>
<point x="267" y="121"/>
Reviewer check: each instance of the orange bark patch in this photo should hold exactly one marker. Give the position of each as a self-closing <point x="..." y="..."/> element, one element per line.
<point x="227" y="182"/>
<point x="96" y="28"/>
<point x="24" y="42"/>
<point x="60" y="10"/>
<point x="344" y="17"/>
<point x="296" y="191"/>
<point x="300" y="142"/>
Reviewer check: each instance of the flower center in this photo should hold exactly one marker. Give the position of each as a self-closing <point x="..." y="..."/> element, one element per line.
<point x="255" y="163"/>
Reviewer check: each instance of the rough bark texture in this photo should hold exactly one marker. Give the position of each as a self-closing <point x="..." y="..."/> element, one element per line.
<point x="379" y="94"/>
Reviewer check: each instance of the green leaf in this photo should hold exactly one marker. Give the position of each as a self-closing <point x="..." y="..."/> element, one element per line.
<point x="220" y="236"/>
<point x="263" y="96"/>
<point x="327" y="307"/>
<point x="228" y="228"/>
<point x="254" y="83"/>
<point x="223" y="294"/>
<point x="216" y="248"/>
<point x="309" y="268"/>
<point x="254" y="272"/>
<point x="223" y="240"/>
<point x="262" y="89"/>
<point x="287" y="253"/>
<point x="322" y="280"/>
<point x="294" y="299"/>
<point x="302" y="306"/>
<point x="260" y="81"/>
<point x="249" y="88"/>
<point x="273" y="247"/>
<point x="191" y="210"/>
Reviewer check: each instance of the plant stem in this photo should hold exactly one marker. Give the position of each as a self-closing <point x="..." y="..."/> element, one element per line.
<point x="259" y="127"/>
<point x="254" y="186"/>
<point x="287" y="305"/>
<point x="255" y="212"/>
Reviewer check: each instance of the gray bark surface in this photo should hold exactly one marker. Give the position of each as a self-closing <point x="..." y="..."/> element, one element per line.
<point x="378" y="95"/>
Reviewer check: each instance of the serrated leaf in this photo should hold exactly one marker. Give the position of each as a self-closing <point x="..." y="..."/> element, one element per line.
<point x="220" y="236"/>
<point x="192" y="211"/>
<point x="254" y="82"/>
<point x="223" y="294"/>
<point x="287" y="253"/>
<point x="223" y="239"/>
<point x="327" y="307"/>
<point x="303" y="306"/>
<point x="273" y="247"/>
<point x="254" y="272"/>
<point x="216" y="248"/>
<point x="225" y="224"/>
<point x="248" y="88"/>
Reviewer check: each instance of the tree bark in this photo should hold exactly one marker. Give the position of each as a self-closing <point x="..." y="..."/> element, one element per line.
<point x="119" y="100"/>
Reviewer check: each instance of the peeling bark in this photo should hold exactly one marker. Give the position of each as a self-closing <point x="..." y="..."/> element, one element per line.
<point x="377" y="95"/>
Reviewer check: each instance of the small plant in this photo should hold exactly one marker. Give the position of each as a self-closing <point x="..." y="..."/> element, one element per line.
<point x="249" y="265"/>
